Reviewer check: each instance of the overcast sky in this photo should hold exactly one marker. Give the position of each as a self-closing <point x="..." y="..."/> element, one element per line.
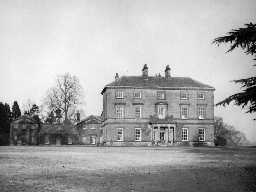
<point x="93" y="40"/>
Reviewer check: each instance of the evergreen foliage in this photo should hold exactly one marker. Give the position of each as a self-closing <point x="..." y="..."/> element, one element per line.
<point x="244" y="38"/>
<point x="15" y="110"/>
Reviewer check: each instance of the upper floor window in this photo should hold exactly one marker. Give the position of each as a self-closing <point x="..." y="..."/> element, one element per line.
<point x="119" y="95"/>
<point x="120" y="134"/>
<point x="137" y="134"/>
<point x="161" y="95"/>
<point x="184" y="111"/>
<point x="201" y="134"/>
<point x="138" y="111"/>
<point x="161" y="111"/>
<point x="184" y="95"/>
<point x="137" y="95"/>
<point x="201" y="112"/>
<point x="119" y="111"/>
<point x="200" y="95"/>
<point x="184" y="134"/>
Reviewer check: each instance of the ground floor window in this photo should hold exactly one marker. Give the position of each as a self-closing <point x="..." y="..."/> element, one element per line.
<point x="184" y="134"/>
<point x="93" y="140"/>
<point x="201" y="134"/>
<point x="69" y="140"/>
<point x="137" y="134"/>
<point x="46" y="140"/>
<point x="120" y="134"/>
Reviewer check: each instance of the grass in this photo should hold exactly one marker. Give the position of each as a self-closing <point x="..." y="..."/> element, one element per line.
<point x="127" y="169"/>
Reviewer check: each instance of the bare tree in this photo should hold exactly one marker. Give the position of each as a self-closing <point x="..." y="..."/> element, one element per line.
<point x="66" y="95"/>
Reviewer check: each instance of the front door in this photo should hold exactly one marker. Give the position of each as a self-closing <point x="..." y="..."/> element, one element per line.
<point x="162" y="137"/>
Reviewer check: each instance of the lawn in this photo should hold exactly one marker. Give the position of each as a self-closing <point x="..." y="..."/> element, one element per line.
<point x="69" y="168"/>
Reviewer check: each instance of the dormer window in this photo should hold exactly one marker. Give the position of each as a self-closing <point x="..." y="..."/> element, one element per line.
<point x="184" y="95"/>
<point x="119" y="95"/>
<point x="161" y="95"/>
<point x="200" y="95"/>
<point x="137" y="95"/>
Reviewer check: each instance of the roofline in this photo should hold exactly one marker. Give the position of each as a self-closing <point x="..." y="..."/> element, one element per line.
<point x="165" y="88"/>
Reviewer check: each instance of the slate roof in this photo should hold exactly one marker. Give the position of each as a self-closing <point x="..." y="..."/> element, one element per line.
<point x="157" y="82"/>
<point x="24" y="119"/>
<point x="61" y="128"/>
<point x="92" y="119"/>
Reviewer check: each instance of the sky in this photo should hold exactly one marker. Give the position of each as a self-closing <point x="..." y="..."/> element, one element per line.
<point x="40" y="39"/>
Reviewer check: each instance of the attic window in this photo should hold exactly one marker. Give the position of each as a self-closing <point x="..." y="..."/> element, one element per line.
<point x="184" y="95"/>
<point x="161" y="95"/>
<point x="200" y="95"/>
<point x="119" y="95"/>
<point x="137" y="95"/>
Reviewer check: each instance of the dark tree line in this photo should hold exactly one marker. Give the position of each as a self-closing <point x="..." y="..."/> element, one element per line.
<point x="6" y="117"/>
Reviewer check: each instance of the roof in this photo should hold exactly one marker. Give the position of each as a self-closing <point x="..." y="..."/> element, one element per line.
<point x="92" y="119"/>
<point x="157" y="83"/>
<point x="61" y="128"/>
<point x="24" y="119"/>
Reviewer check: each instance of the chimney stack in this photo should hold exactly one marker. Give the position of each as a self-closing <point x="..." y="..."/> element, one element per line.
<point x="116" y="77"/>
<point x="167" y="72"/>
<point x="78" y="116"/>
<point x="145" y="71"/>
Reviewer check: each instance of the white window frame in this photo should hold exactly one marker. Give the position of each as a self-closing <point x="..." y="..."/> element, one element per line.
<point x="181" y="112"/>
<point x="138" y="138"/>
<point x="161" y="111"/>
<point x="182" y="94"/>
<point x="138" y="115"/>
<point x="119" y="111"/>
<point x="199" y="135"/>
<point x="201" y="93"/>
<point x="119" y="94"/>
<point x="161" y="95"/>
<point x="201" y="112"/>
<point x="121" y="138"/>
<point x="135" y="96"/>
<point x="184" y="133"/>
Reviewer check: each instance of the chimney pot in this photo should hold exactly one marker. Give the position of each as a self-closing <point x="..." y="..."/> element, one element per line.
<point x="117" y="77"/>
<point x="167" y="71"/>
<point x="145" y="71"/>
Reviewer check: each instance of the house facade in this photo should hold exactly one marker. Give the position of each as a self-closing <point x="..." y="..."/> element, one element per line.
<point x="90" y="131"/>
<point x="153" y="110"/>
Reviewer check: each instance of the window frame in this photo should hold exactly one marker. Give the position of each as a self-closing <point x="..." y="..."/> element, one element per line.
<point x="201" y="98"/>
<point x="184" y="93"/>
<point x="119" y="94"/>
<point x="140" y="134"/>
<point x="201" y="109"/>
<point x="181" y="111"/>
<point x="140" y="112"/>
<point x="122" y="135"/>
<point x="164" y="107"/>
<point x="134" y="95"/>
<point x="182" y="134"/>
<point x="159" y="95"/>
<point x="119" y="115"/>
<point x="199" y="135"/>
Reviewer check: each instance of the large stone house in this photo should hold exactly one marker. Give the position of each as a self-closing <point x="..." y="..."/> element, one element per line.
<point x="155" y="110"/>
